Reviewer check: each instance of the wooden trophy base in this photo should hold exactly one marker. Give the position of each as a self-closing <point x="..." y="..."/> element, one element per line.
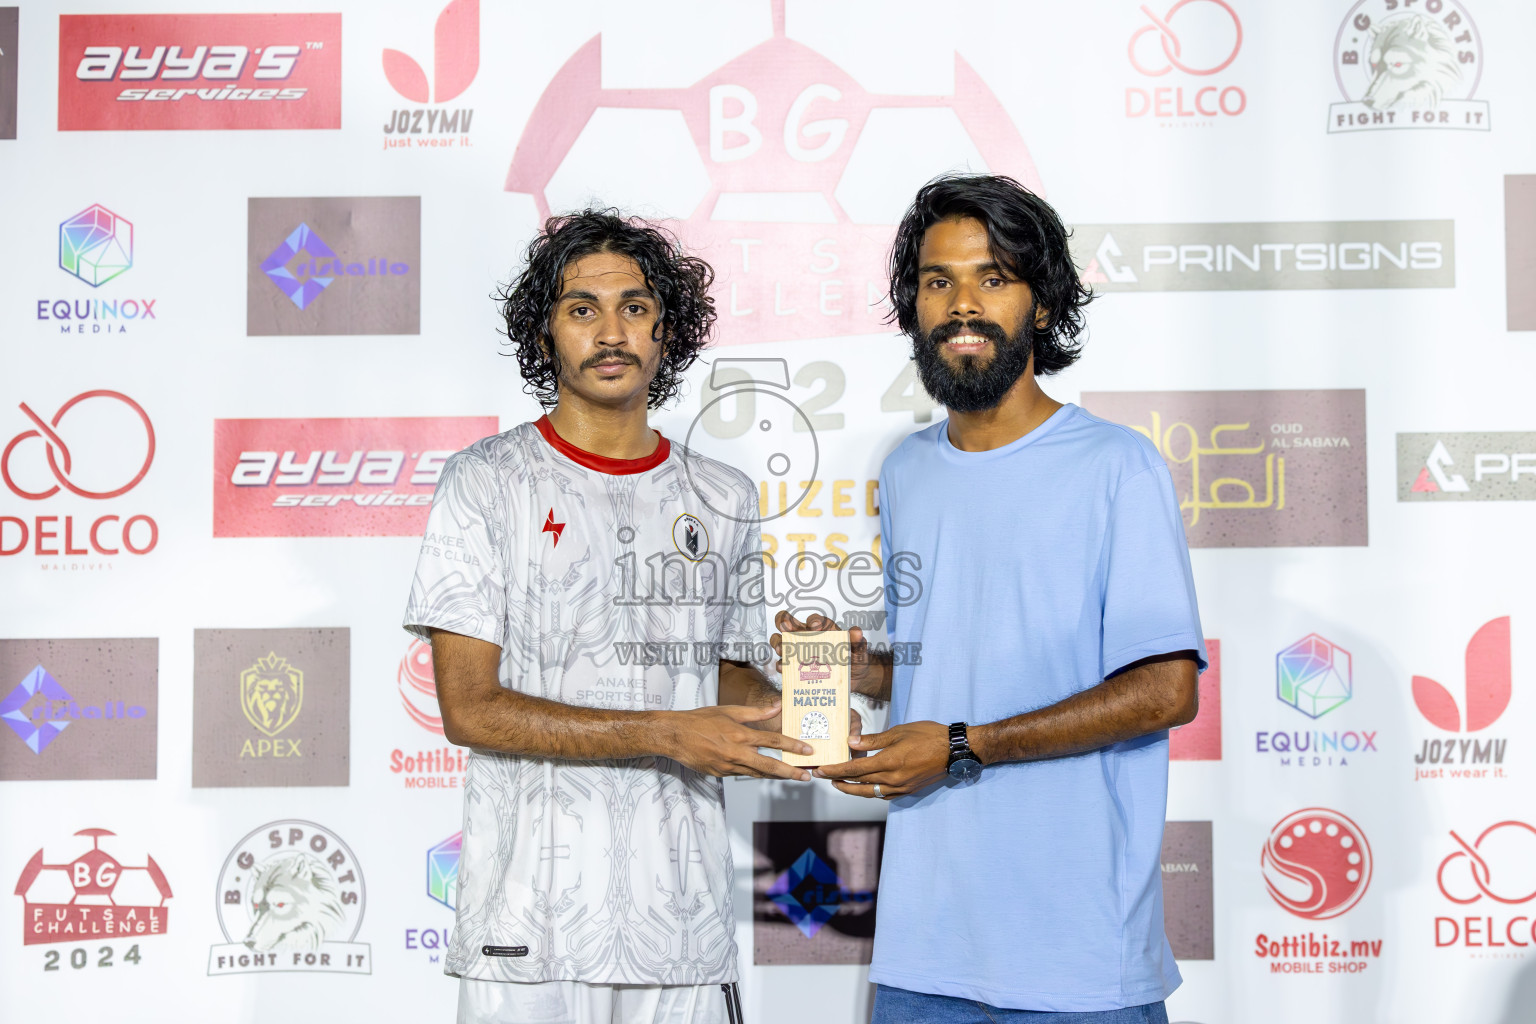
<point x="815" y="702"/>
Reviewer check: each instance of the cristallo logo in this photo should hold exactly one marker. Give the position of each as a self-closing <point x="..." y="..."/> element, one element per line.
<point x="783" y="170"/>
<point x="271" y="694"/>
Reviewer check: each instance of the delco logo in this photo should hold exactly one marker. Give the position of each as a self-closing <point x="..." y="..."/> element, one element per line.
<point x="779" y="166"/>
<point x="199" y="71"/>
<point x="333" y="477"/>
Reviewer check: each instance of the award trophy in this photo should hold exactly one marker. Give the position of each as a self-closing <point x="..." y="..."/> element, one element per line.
<point x="815" y="698"/>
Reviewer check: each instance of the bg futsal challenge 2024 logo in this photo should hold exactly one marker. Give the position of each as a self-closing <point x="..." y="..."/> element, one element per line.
<point x="95" y="901"/>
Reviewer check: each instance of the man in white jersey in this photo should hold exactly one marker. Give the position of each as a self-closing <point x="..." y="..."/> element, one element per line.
<point x="592" y="595"/>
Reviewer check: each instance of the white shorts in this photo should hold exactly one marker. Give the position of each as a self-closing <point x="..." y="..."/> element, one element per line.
<point x="574" y="1002"/>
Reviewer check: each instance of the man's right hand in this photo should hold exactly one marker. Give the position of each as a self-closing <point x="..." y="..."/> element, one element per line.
<point x="865" y="675"/>
<point x="718" y="740"/>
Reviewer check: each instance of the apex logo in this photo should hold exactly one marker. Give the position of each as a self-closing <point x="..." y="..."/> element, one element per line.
<point x="455" y="57"/>
<point x="550" y="526"/>
<point x="1489" y="683"/>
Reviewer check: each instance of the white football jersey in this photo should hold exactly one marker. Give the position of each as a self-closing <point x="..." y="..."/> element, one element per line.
<point x="608" y="584"/>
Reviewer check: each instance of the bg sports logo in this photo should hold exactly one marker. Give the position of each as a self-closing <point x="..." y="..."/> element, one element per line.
<point x="290" y="898"/>
<point x="333" y="477"/>
<point x="159" y="72"/>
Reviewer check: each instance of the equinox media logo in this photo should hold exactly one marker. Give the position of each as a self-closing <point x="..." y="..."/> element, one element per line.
<point x="95" y="247"/>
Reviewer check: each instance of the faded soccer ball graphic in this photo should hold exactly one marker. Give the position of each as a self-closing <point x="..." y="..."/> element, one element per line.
<point x="294" y="903"/>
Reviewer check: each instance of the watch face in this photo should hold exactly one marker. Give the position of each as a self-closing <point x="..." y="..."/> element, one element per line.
<point x="964" y="768"/>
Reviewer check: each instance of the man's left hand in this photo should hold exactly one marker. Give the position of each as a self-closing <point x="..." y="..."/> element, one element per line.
<point x="910" y="757"/>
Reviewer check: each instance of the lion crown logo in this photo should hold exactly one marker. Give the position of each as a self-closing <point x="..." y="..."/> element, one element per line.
<point x="271" y="694"/>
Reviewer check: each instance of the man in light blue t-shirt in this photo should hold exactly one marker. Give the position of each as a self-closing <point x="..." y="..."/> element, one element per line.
<point x="1059" y="634"/>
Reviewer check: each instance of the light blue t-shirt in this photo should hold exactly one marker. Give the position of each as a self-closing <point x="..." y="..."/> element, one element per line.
<point x="1042" y="567"/>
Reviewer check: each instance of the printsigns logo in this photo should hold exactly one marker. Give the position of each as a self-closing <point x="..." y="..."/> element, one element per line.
<point x="271" y="694"/>
<point x="1520" y="251"/>
<point x="96" y="245"/>
<point x="334" y="266"/>
<point x="1502" y="466"/>
<point x="1200" y="740"/>
<point x="1314" y="676"/>
<point x="1267" y="256"/>
<point x="199" y="71"/>
<point x="1490" y="681"/>
<point x="775" y="162"/>
<point x="1189" y="909"/>
<point x="1317" y="863"/>
<point x="1256" y="468"/>
<point x="9" y="24"/>
<point x="270" y="707"/>
<point x="815" y="884"/>
<point x="333" y="477"/>
<point x="82" y="709"/>
<point x="418" y="687"/>
<point x="455" y="62"/>
<point x="1194" y="39"/>
<point x="1401" y="68"/>
<point x="91" y="898"/>
<point x="290" y="898"/>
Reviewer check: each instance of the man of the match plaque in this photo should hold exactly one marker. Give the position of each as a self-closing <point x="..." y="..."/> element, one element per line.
<point x="815" y="698"/>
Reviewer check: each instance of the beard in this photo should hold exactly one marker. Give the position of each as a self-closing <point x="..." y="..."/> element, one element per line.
<point x="973" y="385"/>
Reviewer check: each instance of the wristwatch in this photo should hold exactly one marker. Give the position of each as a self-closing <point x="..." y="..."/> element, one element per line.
<point x="963" y="762"/>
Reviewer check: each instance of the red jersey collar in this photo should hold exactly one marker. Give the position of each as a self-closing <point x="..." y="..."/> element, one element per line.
<point x="602" y="463"/>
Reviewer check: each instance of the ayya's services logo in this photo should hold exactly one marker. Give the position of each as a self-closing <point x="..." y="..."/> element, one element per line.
<point x="127" y="72"/>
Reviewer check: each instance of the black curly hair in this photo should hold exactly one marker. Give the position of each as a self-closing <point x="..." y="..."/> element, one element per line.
<point x="679" y="281"/>
<point x="1027" y="238"/>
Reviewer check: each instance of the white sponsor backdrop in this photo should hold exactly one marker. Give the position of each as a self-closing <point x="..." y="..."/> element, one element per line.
<point x="1051" y="108"/>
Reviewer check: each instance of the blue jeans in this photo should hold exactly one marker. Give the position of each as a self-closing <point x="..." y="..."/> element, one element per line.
<point x="899" y="1006"/>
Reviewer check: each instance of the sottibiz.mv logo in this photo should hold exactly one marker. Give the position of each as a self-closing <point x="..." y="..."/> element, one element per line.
<point x="333" y="477"/>
<point x="209" y="71"/>
<point x="1317" y="865"/>
<point x="779" y="166"/>
<point x="93" y="898"/>
<point x="290" y="899"/>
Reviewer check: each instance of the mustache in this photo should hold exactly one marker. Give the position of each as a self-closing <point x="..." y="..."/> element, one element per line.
<point x="608" y="355"/>
<point x="954" y="328"/>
